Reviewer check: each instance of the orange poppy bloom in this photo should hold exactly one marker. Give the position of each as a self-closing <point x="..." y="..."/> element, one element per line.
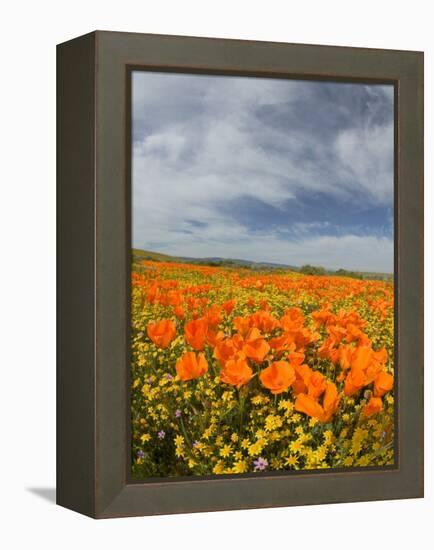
<point x="174" y="298"/>
<point x="308" y="405"/>
<point x="161" y="332"/>
<point x="255" y="347"/>
<point x="191" y="366"/>
<point x="152" y="294"/>
<point x="354" y="381"/>
<point x="278" y="377"/>
<point x="213" y="315"/>
<point x="292" y="320"/>
<point x="366" y="365"/>
<point x="296" y="358"/>
<point x="382" y="384"/>
<point x="229" y="348"/>
<point x="330" y="402"/>
<point x="345" y="353"/>
<point x="303" y="373"/>
<point x="264" y="321"/>
<point x="229" y="306"/>
<point x="373" y="406"/>
<point x="195" y="333"/>
<point x="213" y="337"/>
<point x="281" y="343"/>
<point x="264" y="304"/>
<point x="179" y="312"/>
<point x="322" y="317"/>
<point x="328" y="350"/>
<point x="316" y="384"/>
<point x="236" y="372"/>
<point x="242" y="325"/>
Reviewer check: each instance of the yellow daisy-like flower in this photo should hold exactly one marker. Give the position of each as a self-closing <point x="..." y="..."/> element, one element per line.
<point x="272" y="422"/>
<point x="179" y="440"/>
<point x="240" y="466"/>
<point x="219" y="468"/>
<point x="291" y="461"/>
<point x="296" y="446"/>
<point x="225" y="451"/>
<point x="257" y="400"/>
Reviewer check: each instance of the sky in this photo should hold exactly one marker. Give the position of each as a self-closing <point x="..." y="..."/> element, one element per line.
<point x="271" y="170"/>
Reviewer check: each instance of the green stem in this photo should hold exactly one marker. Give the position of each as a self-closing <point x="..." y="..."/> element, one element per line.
<point x="241" y="406"/>
<point x="184" y="432"/>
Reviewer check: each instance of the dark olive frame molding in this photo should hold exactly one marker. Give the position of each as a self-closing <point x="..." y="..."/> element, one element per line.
<point x="93" y="457"/>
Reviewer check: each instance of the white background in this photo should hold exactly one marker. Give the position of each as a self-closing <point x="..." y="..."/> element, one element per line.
<point x="29" y="33"/>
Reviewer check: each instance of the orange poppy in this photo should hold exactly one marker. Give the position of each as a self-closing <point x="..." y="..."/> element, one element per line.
<point x="264" y="321"/>
<point x="229" y="348"/>
<point x="195" y="333"/>
<point x="366" y="365"/>
<point x="191" y="366"/>
<point x="330" y="402"/>
<point x="242" y="325"/>
<point x="161" y="332"/>
<point x="382" y="384"/>
<point x="303" y="373"/>
<point x="229" y="306"/>
<point x="282" y="343"/>
<point x="373" y="406"/>
<point x="213" y="315"/>
<point x="322" y="317"/>
<point x="344" y="355"/>
<point x="255" y="347"/>
<point x="278" y="377"/>
<point x="308" y="405"/>
<point x="213" y="337"/>
<point x="292" y="320"/>
<point x="236" y="372"/>
<point x="179" y="312"/>
<point x="316" y="384"/>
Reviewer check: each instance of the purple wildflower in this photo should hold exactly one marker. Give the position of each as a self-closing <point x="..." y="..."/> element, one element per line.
<point x="169" y="376"/>
<point x="140" y="453"/>
<point x="177" y="413"/>
<point x="195" y="443"/>
<point x="161" y="434"/>
<point x="260" y="464"/>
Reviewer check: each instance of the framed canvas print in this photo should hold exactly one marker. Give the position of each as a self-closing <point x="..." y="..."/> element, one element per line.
<point x="240" y="274"/>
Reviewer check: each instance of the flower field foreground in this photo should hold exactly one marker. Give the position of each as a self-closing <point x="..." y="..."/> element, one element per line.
<point x="235" y="371"/>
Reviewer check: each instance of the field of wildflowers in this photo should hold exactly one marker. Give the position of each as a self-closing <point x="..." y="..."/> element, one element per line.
<point x="236" y="370"/>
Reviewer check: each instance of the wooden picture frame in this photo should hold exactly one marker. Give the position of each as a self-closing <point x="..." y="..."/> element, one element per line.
<point x="94" y="236"/>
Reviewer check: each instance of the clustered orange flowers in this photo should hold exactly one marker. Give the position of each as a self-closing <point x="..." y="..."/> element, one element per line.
<point x="346" y="345"/>
<point x="350" y="348"/>
<point x="272" y="348"/>
<point x="237" y="370"/>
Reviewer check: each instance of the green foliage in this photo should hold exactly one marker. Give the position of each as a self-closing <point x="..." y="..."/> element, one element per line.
<point x="312" y="270"/>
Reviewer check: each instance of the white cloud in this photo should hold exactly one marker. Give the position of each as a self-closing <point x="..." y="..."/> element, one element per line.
<point x="200" y="145"/>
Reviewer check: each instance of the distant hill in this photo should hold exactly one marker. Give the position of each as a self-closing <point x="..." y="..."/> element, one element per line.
<point x="139" y="255"/>
<point x="154" y="256"/>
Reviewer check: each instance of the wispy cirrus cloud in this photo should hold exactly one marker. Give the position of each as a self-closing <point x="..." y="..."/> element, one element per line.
<point x="263" y="169"/>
